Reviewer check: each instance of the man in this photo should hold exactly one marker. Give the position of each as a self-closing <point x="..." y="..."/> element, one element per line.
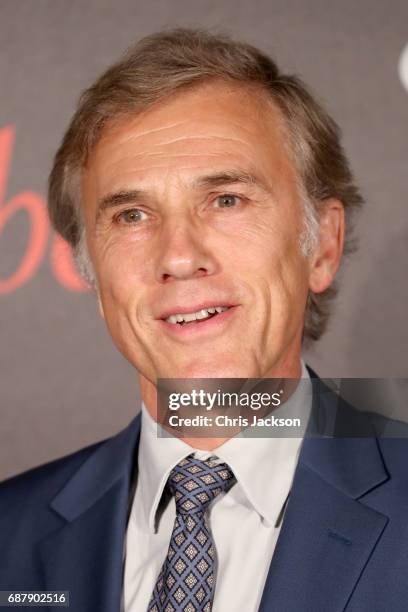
<point x="207" y="197"/>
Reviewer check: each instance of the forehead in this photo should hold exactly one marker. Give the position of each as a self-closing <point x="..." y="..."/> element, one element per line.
<point x="215" y="125"/>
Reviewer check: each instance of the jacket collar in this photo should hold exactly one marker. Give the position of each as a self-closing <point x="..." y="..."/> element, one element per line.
<point x="112" y="459"/>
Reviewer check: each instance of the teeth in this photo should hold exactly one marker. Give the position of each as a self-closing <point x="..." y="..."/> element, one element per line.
<point x="200" y="315"/>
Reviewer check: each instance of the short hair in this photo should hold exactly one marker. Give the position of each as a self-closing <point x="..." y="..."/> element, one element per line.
<point x="169" y="61"/>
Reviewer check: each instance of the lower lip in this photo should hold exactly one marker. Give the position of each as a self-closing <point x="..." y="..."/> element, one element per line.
<point x="190" y="330"/>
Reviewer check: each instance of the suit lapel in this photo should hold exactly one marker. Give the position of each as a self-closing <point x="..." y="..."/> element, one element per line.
<point x="85" y="556"/>
<point x="328" y="533"/>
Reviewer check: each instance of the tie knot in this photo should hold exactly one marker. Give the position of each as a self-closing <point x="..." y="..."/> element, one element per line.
<point x="195" y="483"/>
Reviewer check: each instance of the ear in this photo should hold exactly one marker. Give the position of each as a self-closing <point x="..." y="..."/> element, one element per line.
<point x="100" y="306"/>
<point x="326" y="258"/>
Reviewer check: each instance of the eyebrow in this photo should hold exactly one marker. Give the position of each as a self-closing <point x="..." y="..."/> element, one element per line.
<point x="229" y="177"/>
<point x="124" y="196"/>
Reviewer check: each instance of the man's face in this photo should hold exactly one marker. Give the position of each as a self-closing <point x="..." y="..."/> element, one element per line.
<point x="193" y="205"/>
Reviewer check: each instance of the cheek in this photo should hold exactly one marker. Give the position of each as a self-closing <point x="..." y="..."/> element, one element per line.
<point x="120" y="269"/>
<point x="266" y="248"/>
<point x="272" y="264"/>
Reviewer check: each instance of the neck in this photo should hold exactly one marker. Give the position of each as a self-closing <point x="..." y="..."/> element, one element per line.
<point x="148" y="392"/>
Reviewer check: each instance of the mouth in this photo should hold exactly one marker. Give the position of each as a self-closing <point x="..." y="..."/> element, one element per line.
<point x="186" y="322"/>
<point x="198" y="316"/>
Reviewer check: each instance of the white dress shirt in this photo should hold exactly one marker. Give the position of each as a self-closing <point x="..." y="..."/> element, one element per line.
<point x="245" y="521"/>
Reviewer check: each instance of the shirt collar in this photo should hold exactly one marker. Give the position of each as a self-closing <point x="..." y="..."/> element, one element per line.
<point x="263" y="467"/>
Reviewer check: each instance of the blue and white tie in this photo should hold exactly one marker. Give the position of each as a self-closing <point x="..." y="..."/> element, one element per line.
<point x="187" y="579"/>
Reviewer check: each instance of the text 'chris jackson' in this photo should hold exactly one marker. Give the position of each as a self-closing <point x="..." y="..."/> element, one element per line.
<point x="225" y="421"/>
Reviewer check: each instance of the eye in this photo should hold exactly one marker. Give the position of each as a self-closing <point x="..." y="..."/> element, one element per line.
<point x="131" y="216"/>
<point x="227" y="200"/>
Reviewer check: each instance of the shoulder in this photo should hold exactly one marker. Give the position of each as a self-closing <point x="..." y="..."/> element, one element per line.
<point x="46" y="475"/>
<point x="28" y="515"/>
<point x="345" y="409"/>
<point x="335" y="417"/>
<point x="24" y="498"/>
<point x="39" y="485"/>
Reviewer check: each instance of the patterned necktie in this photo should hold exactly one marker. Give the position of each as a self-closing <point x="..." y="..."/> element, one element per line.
<point x="187" y="579"/>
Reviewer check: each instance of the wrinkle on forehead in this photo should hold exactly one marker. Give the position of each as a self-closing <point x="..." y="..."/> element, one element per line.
<point x="115" y="157"/>
<point x="127" y="135"/>
<point x="215" y="94"/>
<point x="174" y="164"/>
<point x="177" y="155"/>
<point x="191" y="133"/>
<point x="207" y="137"/>
<point x="181" y="139"/>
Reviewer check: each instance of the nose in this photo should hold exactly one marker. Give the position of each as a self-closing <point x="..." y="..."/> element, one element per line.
<point x="183" y="253"/>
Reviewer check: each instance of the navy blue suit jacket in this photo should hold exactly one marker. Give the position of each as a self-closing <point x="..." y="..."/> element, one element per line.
<point x="343" y="544"/>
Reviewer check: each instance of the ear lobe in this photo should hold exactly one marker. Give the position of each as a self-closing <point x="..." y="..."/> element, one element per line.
<point x="326" y="259"/>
